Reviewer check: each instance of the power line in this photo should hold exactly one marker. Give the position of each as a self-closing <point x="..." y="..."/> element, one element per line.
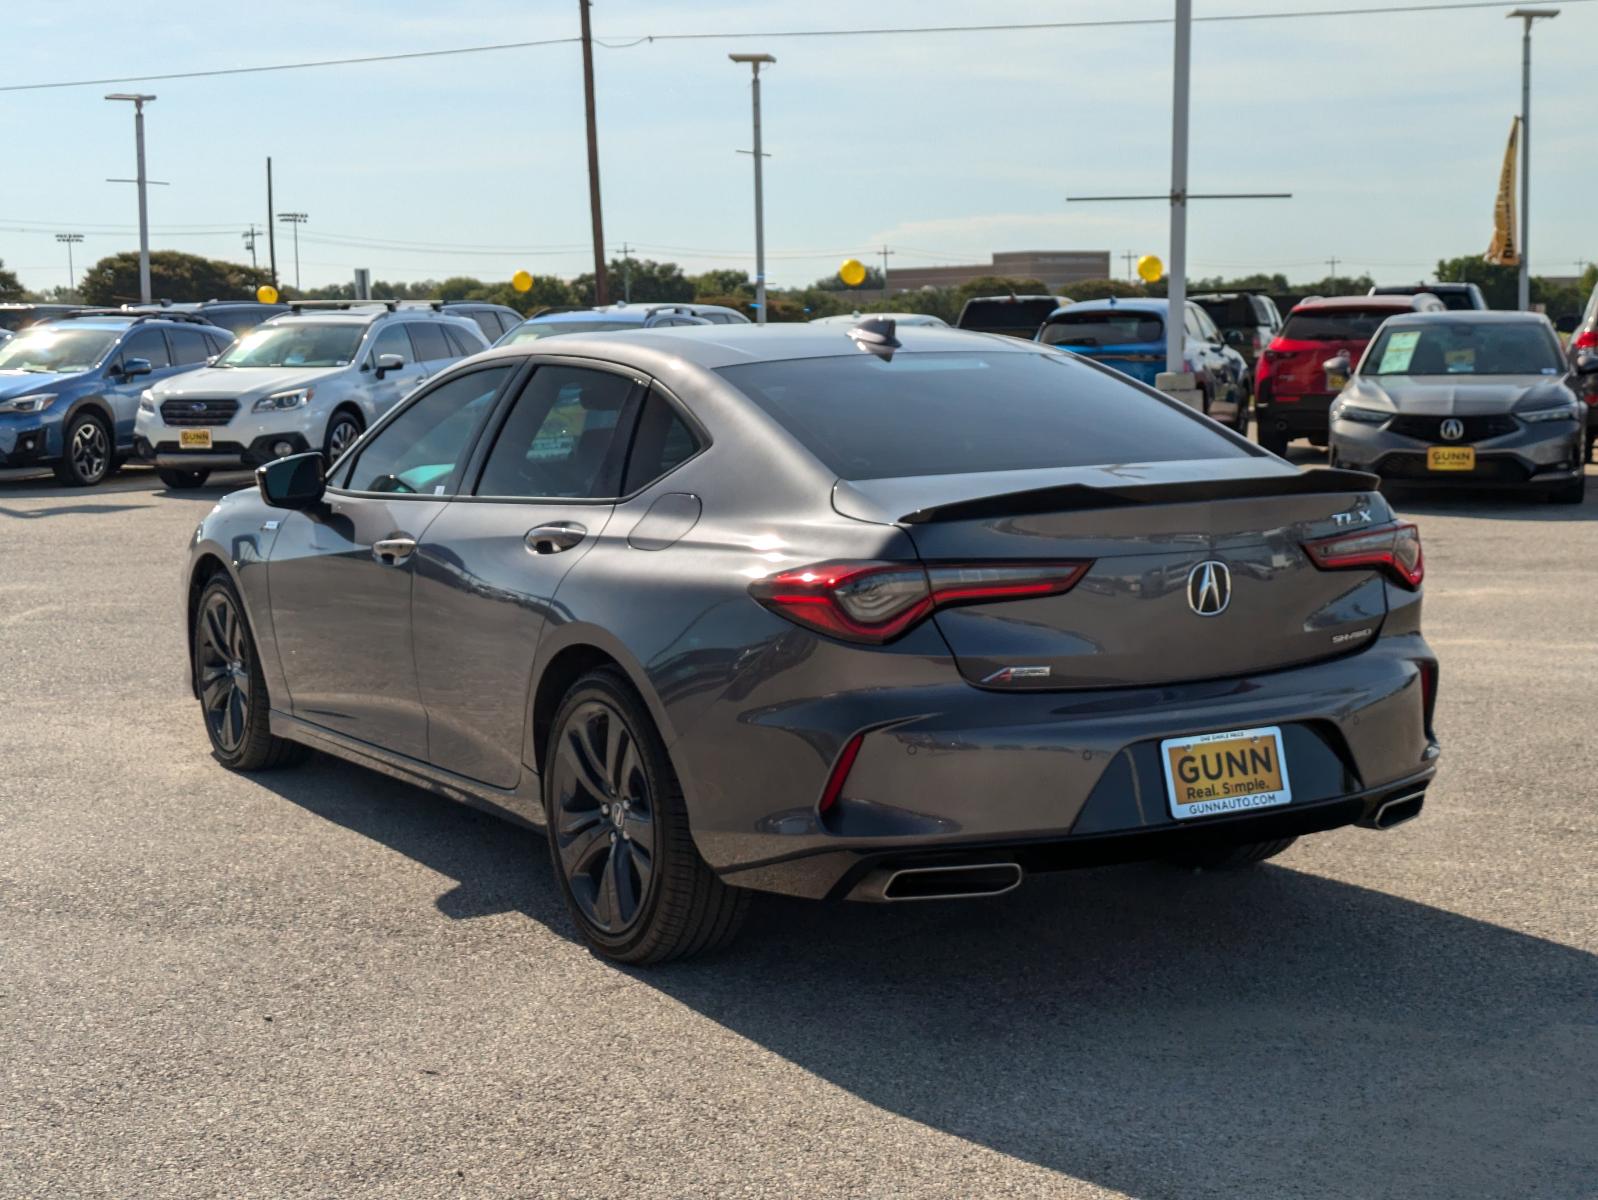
<point x="885" y="31"/>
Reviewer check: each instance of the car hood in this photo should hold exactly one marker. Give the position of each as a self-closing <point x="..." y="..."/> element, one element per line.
<point x="22" y="383"/>
<point x="242" y="382"/>
<point x="1483" y="395"/>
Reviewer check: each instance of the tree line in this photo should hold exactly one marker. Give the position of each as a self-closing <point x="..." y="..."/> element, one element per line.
<point x="178" y="277"/>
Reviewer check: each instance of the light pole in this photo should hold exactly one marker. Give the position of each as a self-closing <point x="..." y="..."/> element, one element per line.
<point x="295" y="219"/>
<point x="1176" y="289"/>
<point x="139" y="99"/>
<point x="70" y="240"/>
<point x="754" y="61"/>
<point x="1527" y="15"/>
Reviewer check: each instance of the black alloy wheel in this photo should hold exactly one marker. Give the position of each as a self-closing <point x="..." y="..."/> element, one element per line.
<point x="86" y="457"/>
<point x="619" y="840"/>
<point x="605" y="833"/>
<point x="233" y="696"/>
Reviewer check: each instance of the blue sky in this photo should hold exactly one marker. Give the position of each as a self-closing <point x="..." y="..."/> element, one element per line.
<point x="1388" y="129"/>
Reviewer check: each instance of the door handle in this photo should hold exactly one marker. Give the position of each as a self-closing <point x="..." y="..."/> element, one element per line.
<point x="393" y="551"/>
<point x="554" y="537"/>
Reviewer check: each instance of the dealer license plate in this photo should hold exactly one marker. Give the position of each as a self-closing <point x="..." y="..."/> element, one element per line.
<point x="1451" y="458"/>
<point x="194" y="439"/>
<point x="1218" y="773"/>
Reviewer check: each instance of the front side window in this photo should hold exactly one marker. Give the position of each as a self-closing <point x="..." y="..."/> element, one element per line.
<point x="391" y="339"/>
<point x="421" y="450"/>
<point x="295" y="343"/>
<point x="866" y="417"/>
<point x="51" y="348"/>
<point x="1464" y="348"/>
<point x="561" y="438"/>
<point x="147" y="344"/>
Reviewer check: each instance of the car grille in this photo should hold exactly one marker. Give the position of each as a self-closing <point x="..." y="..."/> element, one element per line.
<point x="197" y="411"/>
<point x="1429" y="429"/>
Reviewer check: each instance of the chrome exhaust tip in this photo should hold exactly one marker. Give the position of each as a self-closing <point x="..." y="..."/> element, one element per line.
<point x="963" y="882"/>
<point x="1392" y="813"/>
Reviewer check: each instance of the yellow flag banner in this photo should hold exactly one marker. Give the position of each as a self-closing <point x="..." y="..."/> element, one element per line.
<point x="1505" y="248"/>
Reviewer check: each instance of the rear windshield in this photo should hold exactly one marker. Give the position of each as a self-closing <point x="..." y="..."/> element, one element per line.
<point x="1488" y="348"/>
<point x="533" y="330"/>
<point x="1012" y="315"/>
<point x="952" y="414"/>
<point x="1110" y="328"/>
<point x="1334" y="325"/>
<point x="1236" y="312"/>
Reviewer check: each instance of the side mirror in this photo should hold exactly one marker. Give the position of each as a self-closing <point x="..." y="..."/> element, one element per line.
<point x="1337" y="368"/>
<point x="132" y="367"/>
<point x="1567" y="324"/>
<point x="295" y="482"/>
<point x="1587" y="362"/>
<point x="389" y="362"/>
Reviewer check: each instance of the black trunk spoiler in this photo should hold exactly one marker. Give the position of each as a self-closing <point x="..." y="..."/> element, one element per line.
<point x="1078" y="497"/>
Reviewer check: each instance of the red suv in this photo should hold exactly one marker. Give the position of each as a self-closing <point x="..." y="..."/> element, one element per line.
<point x="1291" y="390"/>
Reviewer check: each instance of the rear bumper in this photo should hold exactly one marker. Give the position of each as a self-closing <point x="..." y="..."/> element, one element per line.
<point x="1061" y="777"/>
<point x="1298" y="416"/>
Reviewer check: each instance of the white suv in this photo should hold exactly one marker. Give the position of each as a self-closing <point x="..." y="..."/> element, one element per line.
<point x="311" y="379"/>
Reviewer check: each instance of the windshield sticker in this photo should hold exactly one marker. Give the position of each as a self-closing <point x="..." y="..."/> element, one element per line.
<point x="1399" y="350"/>
<point x="1460" y="362"/>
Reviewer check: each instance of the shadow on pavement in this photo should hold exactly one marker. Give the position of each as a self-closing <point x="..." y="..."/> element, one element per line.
<point x="1160" y="1033"/>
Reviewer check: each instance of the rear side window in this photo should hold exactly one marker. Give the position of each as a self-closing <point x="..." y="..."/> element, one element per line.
<point x="664" y="442"/>
<point x="188" y="346"/>
<point x="949" y="414"/>
<point x="1334" y="325"/>
<point x="217" y="344"/>
<point x="459" y="342"/>
<point x="1108" y="328"/>
<point x="147" y="343"/>
<point x="429" y="341"/>
<point x="560" y="439"/>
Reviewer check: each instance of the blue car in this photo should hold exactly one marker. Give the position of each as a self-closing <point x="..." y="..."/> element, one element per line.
<point x="69" y="388"/>
<point x="1129" y="335"/>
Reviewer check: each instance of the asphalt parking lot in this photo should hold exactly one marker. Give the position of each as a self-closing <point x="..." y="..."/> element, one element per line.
<point x="321" y="983"/>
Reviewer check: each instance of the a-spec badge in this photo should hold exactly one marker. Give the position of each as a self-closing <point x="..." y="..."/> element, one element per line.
<point x="1011" y="674"/>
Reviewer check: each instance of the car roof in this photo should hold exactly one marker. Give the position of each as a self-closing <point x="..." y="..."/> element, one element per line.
<point x="1404" y="303"/>
<point x="711" y="347"/>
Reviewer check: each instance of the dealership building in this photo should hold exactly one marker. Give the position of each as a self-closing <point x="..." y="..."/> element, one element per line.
<point x="1057" y="269"/>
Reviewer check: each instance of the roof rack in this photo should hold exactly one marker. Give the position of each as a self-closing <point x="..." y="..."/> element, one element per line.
<point x="340" y="305"/>
<point x="134" y="316"/>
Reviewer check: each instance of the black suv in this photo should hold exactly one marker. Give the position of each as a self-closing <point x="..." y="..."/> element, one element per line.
<point x="1247" y="320"/>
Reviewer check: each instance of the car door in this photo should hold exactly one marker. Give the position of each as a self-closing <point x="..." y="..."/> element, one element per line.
<point x="340" y="580"/>
<point x="395" y="385"/>
<point x="488" y="568"/>
<point x="122" y="390"/>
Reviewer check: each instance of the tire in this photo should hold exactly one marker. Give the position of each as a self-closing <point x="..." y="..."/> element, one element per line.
<point x="1573" y="492"/>
<point x="233" y="697"/>
<point x="87" y="452"/>
<point x="610" y="792"/>
<point x="1273" y="440"/>
<point x="1229" y="856"/>
<point x="180" y="481"/>
<point x="343" y="427"/>
<point x="1241" y="399"/>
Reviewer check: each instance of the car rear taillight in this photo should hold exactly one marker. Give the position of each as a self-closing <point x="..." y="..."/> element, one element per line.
<point x="1587" y="339"/>
<point x="875" y="602"/>
<point x="1394" y="549"/>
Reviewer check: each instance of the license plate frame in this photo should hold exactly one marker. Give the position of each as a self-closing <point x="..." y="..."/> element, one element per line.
<point x="1244" y="782"/>
<point x="1450" y="458"/>
<point x="194" y="439"/>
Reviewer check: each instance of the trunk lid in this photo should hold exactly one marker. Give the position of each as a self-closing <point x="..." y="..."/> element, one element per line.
<point x="1149" y="531"/>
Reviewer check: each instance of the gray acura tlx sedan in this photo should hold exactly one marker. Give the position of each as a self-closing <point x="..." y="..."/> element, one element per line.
<point x="1476" y="398"/>
<point x="871" y="614"/>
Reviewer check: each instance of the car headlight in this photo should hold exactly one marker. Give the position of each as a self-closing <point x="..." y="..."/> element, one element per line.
<point x="35" y="403"/>
<point x="1565" y="412"/>
<point x="282" y="401"/>
<point x="147" y="401"/>
<point x="1364" y="416"/>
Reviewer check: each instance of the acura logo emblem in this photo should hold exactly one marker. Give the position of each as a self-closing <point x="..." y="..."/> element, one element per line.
<point x="1209" y="588"/>
<point x="1452" y="429"/>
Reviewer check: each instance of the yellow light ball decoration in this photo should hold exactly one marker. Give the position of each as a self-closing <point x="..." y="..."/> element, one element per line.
<point x="853" y="272"/>
<point x="1150" y="268"/>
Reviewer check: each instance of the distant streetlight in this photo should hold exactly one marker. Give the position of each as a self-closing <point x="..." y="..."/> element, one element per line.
<point x="70" y="240"/>
<point x="295" y="219"/>
<point x="138" y="101"/>
<point x="754" y="61"/>
<point x="1528" y="15"/>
